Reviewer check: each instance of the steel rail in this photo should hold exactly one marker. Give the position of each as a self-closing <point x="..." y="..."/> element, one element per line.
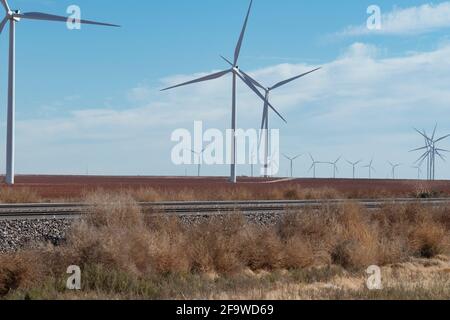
<point x="74" y="210"/>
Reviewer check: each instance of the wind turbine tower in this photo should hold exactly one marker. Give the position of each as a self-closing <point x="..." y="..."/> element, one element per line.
<point x="14" y="16"/>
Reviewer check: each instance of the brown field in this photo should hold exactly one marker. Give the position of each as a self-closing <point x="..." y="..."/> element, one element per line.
<point x="322" y="254"/>
<point x="54" y="188"/>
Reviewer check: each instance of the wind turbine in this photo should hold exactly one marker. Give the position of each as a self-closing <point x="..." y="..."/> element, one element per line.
<point x="419" y="171"/>
<point x="370" y="168"/>
<point x="335" y="167"/>
<point x="265" y="117"/>
<point x="314" y="165"/>
<point x="354" y="164"/>
<point x="394" y="168"/>
<point x="199" y="157"/>
<point x="236" y="73"/>
<point x="431" y="151"/>
<point x="291" y="160"/>
<point x="13" y="16"/>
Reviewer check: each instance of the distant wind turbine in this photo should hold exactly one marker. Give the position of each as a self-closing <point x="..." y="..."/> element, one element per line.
<point x="370" y="168"/>
<point x="419" y="171"/>
<point x="431" y="151"/>
<point x="236" y="73"/>
<point x="291" y="160"/>
<point x="314" y="165"/>
<point x="354" y="165"/>
<point x="199" y="157"/>
<point x="14" y="16"/>
<point x="394" y="168"/>
<point x="335" y="167"/>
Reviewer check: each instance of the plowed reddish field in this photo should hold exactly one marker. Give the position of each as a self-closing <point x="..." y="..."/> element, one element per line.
<point x="53" y="187"/>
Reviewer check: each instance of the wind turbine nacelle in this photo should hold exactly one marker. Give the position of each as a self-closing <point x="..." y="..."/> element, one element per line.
<point x="13" y="14"/>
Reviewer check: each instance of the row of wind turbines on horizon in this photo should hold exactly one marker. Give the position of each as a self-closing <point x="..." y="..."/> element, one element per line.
<point x="431" y="151"/>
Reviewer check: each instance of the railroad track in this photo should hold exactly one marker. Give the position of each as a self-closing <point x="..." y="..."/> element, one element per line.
<point x="75" y="211"/>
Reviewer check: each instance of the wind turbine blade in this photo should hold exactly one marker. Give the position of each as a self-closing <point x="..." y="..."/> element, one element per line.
<point x="423" y="134"/>
<point x="286" y="156"/>
<point x="441" y="156"/>
<point x="443" y="150"/>
<point x="227" y="61"/>
<point x="282" y="83"/>
<point x="3" y="24"/>
<point x="264" y="118"/>
<point x="295" y="158"/>
<point x="252" y="87"/>
<point x="241" y="37"/>
<point x="418" y="149"/>
<point x="255" y="83"/>
<point x="6" y="6"/>
<point x="202" y="79"/>
<point x="423" y="157"/>
<point x="263" y="125"/>
<point x="52" y="17"/>
<point x="443" y="138"/>
<point x="276" y="111"/>
<point x="434" y="132"/>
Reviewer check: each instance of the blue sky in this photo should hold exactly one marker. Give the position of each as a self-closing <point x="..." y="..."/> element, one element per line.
<point x="90" y="98"/>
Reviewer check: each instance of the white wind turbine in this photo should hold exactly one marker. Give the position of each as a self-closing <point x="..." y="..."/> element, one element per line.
<point x="291" y="160"/>
<point x="13" y="16"/>
<point x="431" y="151"/>
<point x="236" y="73"/>
<point x="265" y="118"/>
<point x="419" y="171"/>
<point x="370" y="168"/>
<point x="335" y="167"/>
<point x="394" y="167"/>
<point x="199" y="158"/>
<point x="354" y="165"/>
<point x="314" y="165"/>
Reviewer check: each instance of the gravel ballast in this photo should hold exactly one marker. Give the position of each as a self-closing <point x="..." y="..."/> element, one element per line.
<point x="29" y="233"/>
<point x="26" y="233"/>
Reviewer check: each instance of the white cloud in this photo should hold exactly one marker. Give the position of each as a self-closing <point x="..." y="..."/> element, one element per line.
<point x="408" y="21"/>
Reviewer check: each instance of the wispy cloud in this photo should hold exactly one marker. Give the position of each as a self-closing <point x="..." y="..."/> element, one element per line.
<point x="407" y="21"/>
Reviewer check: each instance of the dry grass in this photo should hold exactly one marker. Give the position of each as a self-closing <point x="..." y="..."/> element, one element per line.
<point x="224" y="193"/>
<point x="124" y="253"/>
<point x="18" y="195"/>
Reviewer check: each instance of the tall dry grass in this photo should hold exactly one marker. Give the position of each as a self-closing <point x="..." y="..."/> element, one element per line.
<point x="118" y="238"/>
<point x="18" y="195"/>
<point x="222" y="193"/>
